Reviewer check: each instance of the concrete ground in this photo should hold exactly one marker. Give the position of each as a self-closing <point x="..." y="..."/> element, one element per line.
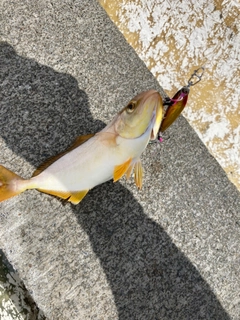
<point x="169" y="251"/>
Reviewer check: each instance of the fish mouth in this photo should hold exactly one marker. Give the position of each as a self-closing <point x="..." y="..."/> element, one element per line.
<point x="152" y="123"/>
<point x="156" y="119"/>
<point x="151" y="126"/>
<point x="157" y="114"/>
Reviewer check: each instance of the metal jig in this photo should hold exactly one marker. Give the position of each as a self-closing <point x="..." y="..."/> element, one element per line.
<point x="176" y="104"/>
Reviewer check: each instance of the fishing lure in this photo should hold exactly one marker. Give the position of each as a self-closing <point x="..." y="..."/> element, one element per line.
<point x="176" y="104"/>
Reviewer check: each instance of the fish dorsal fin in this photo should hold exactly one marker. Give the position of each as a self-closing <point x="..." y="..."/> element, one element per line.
<point x="120" y="170"/>
<point x="72" y="196"/>
<point x="77" y="142"/>
<point x="138" y="174"/>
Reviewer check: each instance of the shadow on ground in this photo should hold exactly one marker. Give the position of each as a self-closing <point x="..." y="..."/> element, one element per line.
<point x="41" y="112"/>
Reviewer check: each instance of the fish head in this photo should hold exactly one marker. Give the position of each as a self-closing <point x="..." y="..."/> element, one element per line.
<point x="144" y="110"/>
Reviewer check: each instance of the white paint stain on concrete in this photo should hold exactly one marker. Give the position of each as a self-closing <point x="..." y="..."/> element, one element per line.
<point x="175" y="37"/>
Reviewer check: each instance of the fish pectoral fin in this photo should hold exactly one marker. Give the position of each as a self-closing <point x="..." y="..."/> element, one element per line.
<point x="138" y="174"/>
<point x="71" y="196"/>
<point x="76" y="197"/>
<point x="121" y="169"/>
<point x="77" y="142"/>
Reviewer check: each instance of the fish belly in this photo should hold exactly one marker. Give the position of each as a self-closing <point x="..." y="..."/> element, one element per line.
<point x="75" y="172"/>
<point x="88" y="165"/>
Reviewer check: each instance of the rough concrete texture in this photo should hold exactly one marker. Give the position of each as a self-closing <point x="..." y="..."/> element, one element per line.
<point x="169" y="251"/>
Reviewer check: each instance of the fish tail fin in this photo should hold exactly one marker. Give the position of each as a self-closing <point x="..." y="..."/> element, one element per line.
<point x="10" y="184"/>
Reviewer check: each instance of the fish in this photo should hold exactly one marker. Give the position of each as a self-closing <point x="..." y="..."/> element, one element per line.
<point x="95" y="158"/>
<point x="177" y="104"/>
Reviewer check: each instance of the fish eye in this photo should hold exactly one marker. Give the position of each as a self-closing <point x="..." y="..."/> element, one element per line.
<point x="131" y="107"/>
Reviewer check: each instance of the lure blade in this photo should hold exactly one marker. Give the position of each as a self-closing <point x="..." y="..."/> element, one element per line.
<point x="177" y="105"/>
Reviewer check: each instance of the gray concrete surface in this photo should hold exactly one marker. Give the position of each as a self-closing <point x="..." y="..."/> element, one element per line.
<point x="170" y="251"/>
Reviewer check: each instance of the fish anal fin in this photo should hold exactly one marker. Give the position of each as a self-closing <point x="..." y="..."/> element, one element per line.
<point x="138" y="174"/>
<point x="72" y="196"/>
<point x="121" y="169"/>
<point x="76" y="197"/>
<point x="77" y="142"/>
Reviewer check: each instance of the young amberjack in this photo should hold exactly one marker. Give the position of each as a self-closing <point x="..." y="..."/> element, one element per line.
<point x="95" y="158"/>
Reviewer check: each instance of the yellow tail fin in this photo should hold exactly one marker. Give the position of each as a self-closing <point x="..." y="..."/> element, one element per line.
<point x="9" y="186"/>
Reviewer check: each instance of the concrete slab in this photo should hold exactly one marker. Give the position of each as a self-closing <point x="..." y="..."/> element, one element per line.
<point x="170" y="251"/>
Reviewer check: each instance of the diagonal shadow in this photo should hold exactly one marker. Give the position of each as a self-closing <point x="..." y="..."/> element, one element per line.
<point x="149" y="276"/>
<point x="33" y="103"/>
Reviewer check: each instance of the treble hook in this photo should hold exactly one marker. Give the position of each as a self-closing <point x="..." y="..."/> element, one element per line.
<point x="198" y="76"/>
